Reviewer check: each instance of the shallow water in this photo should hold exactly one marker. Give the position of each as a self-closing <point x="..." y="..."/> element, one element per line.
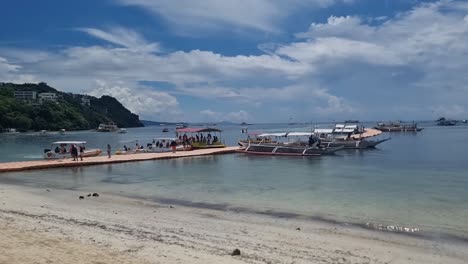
<point x="414" y="180"/>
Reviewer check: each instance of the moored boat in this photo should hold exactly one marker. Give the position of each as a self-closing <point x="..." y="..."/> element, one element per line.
<point x="446" y="122"/>
<point x="122" y="131"/>
<point x="201" y="138"/>
<point x="107" y="127"/>
<point x="165" y="130"/>
<point x="61" y="150"/>
<point x="10" y="131"/>
<point x="297" y="147"/>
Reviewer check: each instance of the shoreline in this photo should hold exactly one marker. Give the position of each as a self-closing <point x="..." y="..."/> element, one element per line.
<point x="428" y="233"/>
<point x="148" y="231"/>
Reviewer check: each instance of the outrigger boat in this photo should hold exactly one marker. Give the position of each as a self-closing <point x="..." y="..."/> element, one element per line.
<point x="199" y="140"/>
<point x="296" y="147"/>
<point x="61" y="150"/>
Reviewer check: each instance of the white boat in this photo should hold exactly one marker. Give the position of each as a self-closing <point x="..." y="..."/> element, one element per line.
<point x="42" y="133"/>
<point x="10" y="131"/>
<point x="158" y="145"/>
<point x="163" y="144"/>
<point x="62" y="131"/>
<point x="108" y="127"/>
<point x="61" y="150"/>
<point x="122" y="131"/>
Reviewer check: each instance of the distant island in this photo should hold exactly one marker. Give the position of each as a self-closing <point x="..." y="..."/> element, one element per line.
<point x="40" y="107"/>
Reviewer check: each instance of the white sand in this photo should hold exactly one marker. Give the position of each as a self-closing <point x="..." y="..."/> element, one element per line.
<point x="40" y="226"/>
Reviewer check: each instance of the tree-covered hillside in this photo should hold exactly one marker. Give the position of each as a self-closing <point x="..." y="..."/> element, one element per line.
<point x="68" y="112"/>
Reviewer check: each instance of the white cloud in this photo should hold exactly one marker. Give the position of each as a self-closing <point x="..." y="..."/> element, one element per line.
<point x="146" y="102"/>
<point x="12" y="73"/>
<point x="261" y="15"/>
<point x="123" y="37"/>
<point x="416" y="60"/>
<point x="235" y="116"/>
<point x="450" y="111"/>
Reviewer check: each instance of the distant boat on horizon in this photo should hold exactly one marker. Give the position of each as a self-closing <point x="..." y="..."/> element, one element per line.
<point x="398" y="127"/>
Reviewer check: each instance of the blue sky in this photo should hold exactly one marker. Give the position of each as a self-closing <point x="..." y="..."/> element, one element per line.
<point x="245" y="60"/>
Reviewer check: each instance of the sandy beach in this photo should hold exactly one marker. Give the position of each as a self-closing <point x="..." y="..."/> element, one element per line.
<point x="55" y="226"/>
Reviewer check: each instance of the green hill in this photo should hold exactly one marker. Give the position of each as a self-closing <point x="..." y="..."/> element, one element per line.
<point x="68" y="111"/>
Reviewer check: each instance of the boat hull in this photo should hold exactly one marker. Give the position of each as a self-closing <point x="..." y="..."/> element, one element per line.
<point x="352" y="144"/>
<point x="399" y="129"/>
<point x="279" y="150"/>
<point x="196" y="145"/>
<point x="86" y="153"/>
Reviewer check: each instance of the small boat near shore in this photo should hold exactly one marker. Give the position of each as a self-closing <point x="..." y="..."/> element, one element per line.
<point x="10" y="131"/>
<point x="61" y="150"/>
<point x="107" y="127"/>
<point x="122" y="131"/>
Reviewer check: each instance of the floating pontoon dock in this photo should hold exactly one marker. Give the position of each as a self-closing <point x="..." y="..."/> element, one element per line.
<point x="101" y="160"/>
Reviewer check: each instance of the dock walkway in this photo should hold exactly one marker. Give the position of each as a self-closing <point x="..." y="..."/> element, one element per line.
<point x="100" y="160"/>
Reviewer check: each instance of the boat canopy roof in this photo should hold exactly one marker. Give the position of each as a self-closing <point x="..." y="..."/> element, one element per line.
<point x="299" y="134"/>
<point x="166" y="138"/>
<point x="68" y="142"/>
<point x="197" y="130"/>
<point x="331" y="130"/>
<point x="272" y="135"/>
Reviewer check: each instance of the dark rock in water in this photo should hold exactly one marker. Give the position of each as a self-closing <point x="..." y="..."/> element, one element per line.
<point x="48" y="190"/>
<point x="171" y="206"/>
<point x="236" y="252"/>
<point x="298" y="229"/>
<point x="81" y="197"/>
<point x="89" y="195"/>
<point x="95" y="195"/>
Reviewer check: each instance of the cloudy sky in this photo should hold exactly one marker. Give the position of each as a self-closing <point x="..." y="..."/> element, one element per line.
<point x="247" y="60"/>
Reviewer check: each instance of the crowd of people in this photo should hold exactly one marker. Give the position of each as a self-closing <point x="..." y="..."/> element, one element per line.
<point x="209" y="139"/>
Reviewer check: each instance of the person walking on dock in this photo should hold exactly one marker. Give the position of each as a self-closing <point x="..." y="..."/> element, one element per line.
<point x="109" y="151"/>
<point x="81" y="152"/>
<point x="74" y="152"/>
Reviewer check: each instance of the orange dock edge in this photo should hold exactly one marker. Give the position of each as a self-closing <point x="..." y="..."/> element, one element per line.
<point x="102" y="160"/>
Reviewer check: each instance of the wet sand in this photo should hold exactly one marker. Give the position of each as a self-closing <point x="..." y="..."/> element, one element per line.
<point x="54" y="226"/>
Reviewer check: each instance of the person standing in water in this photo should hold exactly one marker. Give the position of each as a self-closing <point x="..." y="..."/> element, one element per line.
<point x="109" y="151"/>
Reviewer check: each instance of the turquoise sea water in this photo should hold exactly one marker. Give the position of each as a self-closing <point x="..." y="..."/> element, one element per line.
<point x="413" y="180"/>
